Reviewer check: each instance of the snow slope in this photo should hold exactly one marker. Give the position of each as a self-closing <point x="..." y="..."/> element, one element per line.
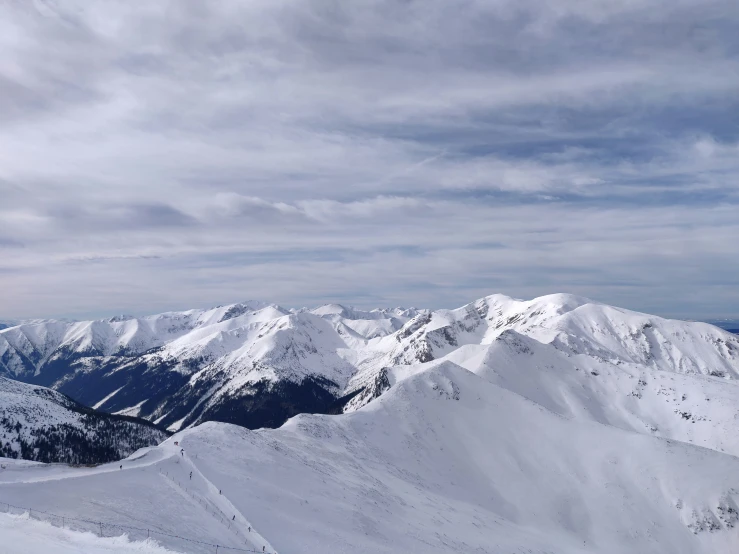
<point x="445" y="461"/>
<point x="23" y="534"/>
<point x="690" y="408"/>
<point x="555" y="425"/>
<point x="257" y="364"/>
<point x="41" y="424"/>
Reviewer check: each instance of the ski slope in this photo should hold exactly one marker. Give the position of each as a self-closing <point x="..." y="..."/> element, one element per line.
<point x="30" y="536"/>
<point x="445" y="461"/>
<point x="153" y="493"/>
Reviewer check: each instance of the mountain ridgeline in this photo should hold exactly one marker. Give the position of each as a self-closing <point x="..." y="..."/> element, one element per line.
<point x="43" y="425"/>
<point x="257" y="364"/>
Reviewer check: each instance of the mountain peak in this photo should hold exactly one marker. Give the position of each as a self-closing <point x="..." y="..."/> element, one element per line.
<point x="197" y="363"/>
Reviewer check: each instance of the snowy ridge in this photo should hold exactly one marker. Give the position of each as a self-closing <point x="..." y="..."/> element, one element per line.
<point x="257" y="364"/>
<point x="445" y="461"/>
<point x="37" y="423"/>
<point x="689" y="408"/>
<point x="551" y="426"/>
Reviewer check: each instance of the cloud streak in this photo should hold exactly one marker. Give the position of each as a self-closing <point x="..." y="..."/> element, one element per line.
<point x="373" y="152"/>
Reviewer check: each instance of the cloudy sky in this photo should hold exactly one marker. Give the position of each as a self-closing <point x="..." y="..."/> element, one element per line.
<point x="168" y="155"/>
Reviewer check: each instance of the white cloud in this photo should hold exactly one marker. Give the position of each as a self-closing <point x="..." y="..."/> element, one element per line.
<point x="178" y="153"/>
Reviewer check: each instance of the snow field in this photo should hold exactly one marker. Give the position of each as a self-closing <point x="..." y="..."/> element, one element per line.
<point x="446" y="461"/>
<point x="21" y="533"/>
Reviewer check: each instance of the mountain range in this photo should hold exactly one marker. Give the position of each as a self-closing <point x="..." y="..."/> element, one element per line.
<point x="556" y="425"/>
<point x="447" y="460"/>
<point x="258" y="364"/>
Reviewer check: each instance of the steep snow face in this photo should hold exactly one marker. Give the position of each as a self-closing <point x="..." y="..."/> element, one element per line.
<point x="37" y="423"/>
<point x="258" y="364"/>
<point x="291" y="346"/>
<point x="617" y="335"/>
<point x="575" y="325"/>
<point x="357" y="326"/>
<point x="35" y="405"/>
<point x="691" y="408"/>
<point x="28" y="348"/>
<point x="445" y="461"/>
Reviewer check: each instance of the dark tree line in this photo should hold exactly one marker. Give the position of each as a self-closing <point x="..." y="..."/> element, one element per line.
<point x="100" y="438"/>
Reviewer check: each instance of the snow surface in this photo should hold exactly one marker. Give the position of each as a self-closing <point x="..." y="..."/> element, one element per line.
<point x="28" y="412"/>
<point x="222" y="352"/>
<point x="550" y="426"/>
<point x="30" y="536"/>
<point x="447" y="460"/>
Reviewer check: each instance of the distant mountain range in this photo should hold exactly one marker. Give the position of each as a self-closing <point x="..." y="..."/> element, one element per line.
<point x="257" y="364"/>
<point x="730" y="325"/>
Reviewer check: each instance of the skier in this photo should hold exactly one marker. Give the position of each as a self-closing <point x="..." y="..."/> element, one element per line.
<point x="191" y="476"/>
<point x="182" y="451"/>
<point x="250" y="528"/>
<point x="219" y="491"/>
<point x="233" y="518"/>
<point x="121" y="466"/>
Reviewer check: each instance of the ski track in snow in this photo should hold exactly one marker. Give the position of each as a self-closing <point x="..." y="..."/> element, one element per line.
<point x="181" y="466"/>
<point x="551" y="426"/>
<point x="174" y="469"/>
<point x="446" y="461"/>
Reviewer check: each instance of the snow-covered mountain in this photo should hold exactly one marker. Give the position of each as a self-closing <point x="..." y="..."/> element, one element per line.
<point x="257" y="364"/>
<point x="446" y="461"/>
<point x="40" y="424"/>
<point x="555" y="425"/>
<point x="30" y="536"/>
<point x="252" y="363"/>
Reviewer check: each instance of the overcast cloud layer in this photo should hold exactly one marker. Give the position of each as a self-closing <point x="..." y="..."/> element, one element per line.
<point x="168" y="155"/>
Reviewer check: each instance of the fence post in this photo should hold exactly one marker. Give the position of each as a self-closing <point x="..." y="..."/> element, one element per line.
<point x="147" y="534"/>
<point x="101" y="529"/>
<point x="62" y="523"/>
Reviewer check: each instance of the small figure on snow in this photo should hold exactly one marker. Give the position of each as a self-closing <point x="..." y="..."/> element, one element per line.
<point x="182" y="451"/>
<point x="191" y="476"/>
<point x="233" y="518"/>
<point x="121" y="466"/>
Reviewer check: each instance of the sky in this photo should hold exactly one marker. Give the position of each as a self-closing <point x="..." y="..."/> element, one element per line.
<point x="171" y="155"/>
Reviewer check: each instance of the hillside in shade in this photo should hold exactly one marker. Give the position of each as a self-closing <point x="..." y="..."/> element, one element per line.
<point x="43" y="425"/>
